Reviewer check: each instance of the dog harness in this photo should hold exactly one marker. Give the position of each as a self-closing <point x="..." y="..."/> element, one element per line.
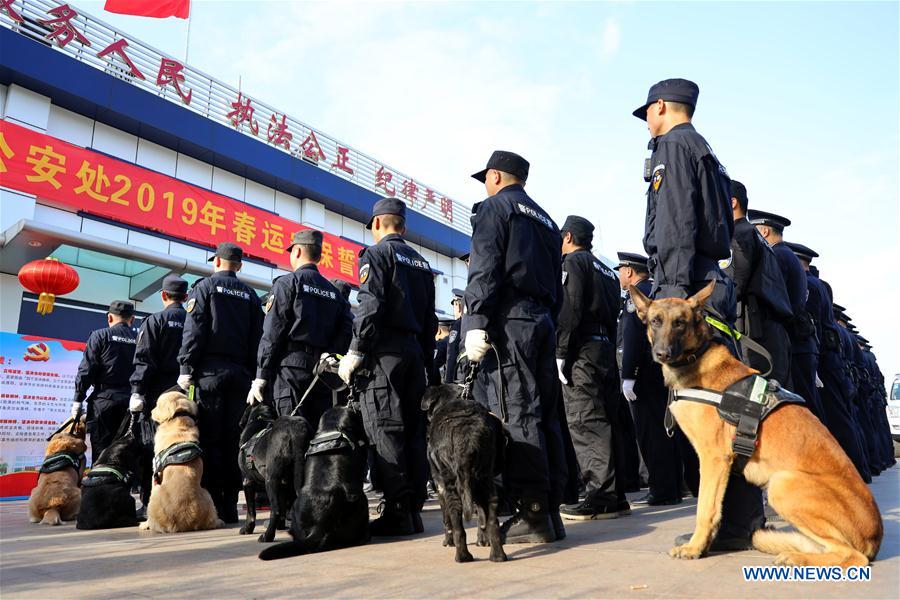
<point x="61" y="460"/>
<point x="249" y="446"/>
<point x="176" y="454"/>
<point x="329" y="442"/>
<point x="744" y="404"/>
<point x="102" y="475"/>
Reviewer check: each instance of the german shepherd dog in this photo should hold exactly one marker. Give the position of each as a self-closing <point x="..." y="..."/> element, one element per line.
<point x="466" y="447"/>
<point x="810" y="480"/>
<point x="272" y="458"/>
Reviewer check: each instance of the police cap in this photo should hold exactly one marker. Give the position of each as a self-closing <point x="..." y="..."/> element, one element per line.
<point x="761" y="217"/>
<point x="508" y="162"/>
<point x="630" y="259"/>
<point x="121" y="308"/>
<point x="804" y="252"/>
<point x="862" y="339"/>
<point x="670" y="90"/>
<point x="464" y="257"/>
<point x="445" y="321"/>
<point x="343" y="287"/>
<point x="174" y="284"/>
<point x="387" y="206"/>
<point x="228" y="251"/>
<point x="578" y="226"/>
<point x="458" y="292"/>
<point x="306" y="237"/>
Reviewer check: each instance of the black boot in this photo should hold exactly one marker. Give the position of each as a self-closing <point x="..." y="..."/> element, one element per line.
<point x="229" y="506"/>
<point x="395" y="520"/>
<point x="558" y="528"/>
<point x="216" y="495"/>
<point x="531" y="524"/>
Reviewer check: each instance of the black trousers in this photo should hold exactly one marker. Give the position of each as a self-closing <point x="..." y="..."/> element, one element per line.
<point x="836" y="403"/>
<point x="290" y="385"/>
<point x="660" y="451"/>
<point x="526" y="341"/>
<point x="587" y="397"/>
<point x="105" y="412"/>
<point x="804" y="367"/>
<point x="772" y="336"/>
<point x="221" y="398"/>
<point x="394" y="421"/>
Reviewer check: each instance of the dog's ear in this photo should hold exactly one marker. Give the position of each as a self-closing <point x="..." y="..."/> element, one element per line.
<point x="429" y="398"/>
<point x="699" y="299"/>
<point x="641" y="302"/>
<point x="165" y="407"/>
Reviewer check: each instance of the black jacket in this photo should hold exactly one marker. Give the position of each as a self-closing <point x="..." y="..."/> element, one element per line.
<point x="156" y="354"/>
<point x="107" y="360"/>
<point x="590" y="302"/>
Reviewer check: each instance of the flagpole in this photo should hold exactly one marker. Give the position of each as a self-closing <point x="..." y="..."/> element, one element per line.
<point x="187" y="41"/>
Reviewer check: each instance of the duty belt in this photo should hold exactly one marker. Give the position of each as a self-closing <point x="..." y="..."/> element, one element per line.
<point x="176" y="454"/>
<point x="107" y="387"/>
<point x="299" y="347"/>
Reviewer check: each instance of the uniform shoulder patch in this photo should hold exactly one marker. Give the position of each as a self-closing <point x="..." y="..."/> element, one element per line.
<point x="565" y="277"/>
<point x="270" y="302"/>
<point x="452" y="337"/>
<point x="363" y="274"/>
<point x="190" y="304"/>
<point x="726" y="262"/>
<point x="629" y="304"/>
<point x="658" y="173"/>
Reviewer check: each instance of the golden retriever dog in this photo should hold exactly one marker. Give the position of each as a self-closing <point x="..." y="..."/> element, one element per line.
<point x="177" y="502"/>
<point x="810" y="480"/>
<point x="57" y="495"/>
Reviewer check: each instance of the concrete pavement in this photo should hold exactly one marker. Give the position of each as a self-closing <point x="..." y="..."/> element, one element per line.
<point x="622" y="558"/>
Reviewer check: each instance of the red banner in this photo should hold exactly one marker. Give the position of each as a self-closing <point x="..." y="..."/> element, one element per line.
<point x="150" y="8"/>
<point x="68" y="175"/>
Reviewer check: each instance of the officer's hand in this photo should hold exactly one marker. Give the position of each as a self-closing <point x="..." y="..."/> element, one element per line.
<point x="76" y="407"/>
<point x="185" y="382"/>
<point x="136" y="403"/>
<point x="350" y="363"/>
<point x="628" y="390"/>
<point x="255" y="395"/>
<point x="330" y="361"/>
<point x="477" y="344"/>
<point x="561" y="367"/>
<point x="819" y="383"/>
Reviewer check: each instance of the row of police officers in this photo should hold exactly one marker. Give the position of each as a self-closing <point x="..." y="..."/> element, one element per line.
<point x="541" y="332"/>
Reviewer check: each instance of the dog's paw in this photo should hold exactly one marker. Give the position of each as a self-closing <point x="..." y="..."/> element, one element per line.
<point x="265" y="537"/>
<point x="795" y="559"/>
<point x="448" y="540"/>
<point x="481" y="539"/>
<point x="144" y="526"/>
<point x="463" y="555"/>
<point x="248" y="528"/>
<point x="498" y="556"/>
<point x="686" y="552"/>
<point x="220" y="523"/>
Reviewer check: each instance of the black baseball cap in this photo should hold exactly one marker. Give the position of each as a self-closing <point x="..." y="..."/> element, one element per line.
<point x="578" y="226"/>
<point x="508" y="162"/>
<point x="387" y="206"/>
<point x="228" y="251"/>
<point x="670" y="90"/>
<point x="121" y="308"/>
<point x="307" y="237"/>
<point x="175" y="284"/>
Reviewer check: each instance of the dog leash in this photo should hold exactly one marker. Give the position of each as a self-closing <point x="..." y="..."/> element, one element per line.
<point x="474" y="367"/>
<point x="717" y="321"/>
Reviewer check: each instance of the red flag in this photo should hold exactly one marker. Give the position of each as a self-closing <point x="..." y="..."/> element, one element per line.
<point x="150" y="8"/>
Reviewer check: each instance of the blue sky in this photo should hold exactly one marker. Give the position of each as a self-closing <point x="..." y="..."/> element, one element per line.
<point x="800" y="101"/>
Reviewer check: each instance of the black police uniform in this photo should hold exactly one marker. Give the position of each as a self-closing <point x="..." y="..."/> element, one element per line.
<point x="879" y="404"/>
<point x="864" y="402"/>
<point x="156" y="368"/>
<point x="659" y="450"/>
<point x="394" y="328"/>
<point x="439" y="361"/>
<point x="106" y="366"/>
<point x="221" y="338"/>
<point x="688" y="230"/>
<point x="853" y="390"/>
<point x="763" y="304"/>
<point x="451" y="370"/>
<point x="584" y="342"/>
<point x="514" y="293"/>
<point x="305" y="316"/>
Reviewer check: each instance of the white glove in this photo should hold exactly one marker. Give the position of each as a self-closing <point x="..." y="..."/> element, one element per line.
<point x="136" y="403"/>
<point x="628" y="390"/>
<point x="819" y="383"/>
<point x="350" y="363"/>
<point x="255" y="395"/>
<point x="76" y="406"/>
<point x="185" y="382"/>
<point x="476" y="344"/>
<point x="329" y="359"/>
<point x="560" y="363"/>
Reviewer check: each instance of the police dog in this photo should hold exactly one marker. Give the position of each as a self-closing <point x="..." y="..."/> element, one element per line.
<point x="810" y="480"/>
<point x="106" y="500"/>
<point x="466" y="447"/>
<point x="57" y="497"/>
<point x="177" y="502"/>
<point x="331" y="510"/>
<point x="272" y="458"/>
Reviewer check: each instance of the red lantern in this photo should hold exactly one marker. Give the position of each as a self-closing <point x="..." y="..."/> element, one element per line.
<point x="49" y="278"/>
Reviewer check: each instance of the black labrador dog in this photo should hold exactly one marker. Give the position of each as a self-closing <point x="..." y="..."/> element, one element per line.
<point x="106" y="500"/>
<point x="332" y="510"/>
<point x="466" y="449"/>
<point x="271" y="457"/>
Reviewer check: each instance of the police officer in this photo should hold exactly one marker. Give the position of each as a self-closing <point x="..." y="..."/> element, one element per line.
<point x="762" y="296"/>
<point x="863" y="402"/>
<point x="218" y="353"/>
<point x="156" y="366"/>
<point x="858" y="451"/>
<point x="585" y="360"/>
<point x="451" y="369"/>
<point x="393" y="335"/>
<point x="512" y="300"/>
<point x="106" y="367"/>
<point x="439" y="362"/>
<point x="688" y="231"/>
<point x="643" y="387"/>
<point x="306" y="317"/>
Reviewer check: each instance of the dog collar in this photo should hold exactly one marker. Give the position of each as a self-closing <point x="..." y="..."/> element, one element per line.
<point x="691" y="358"/>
